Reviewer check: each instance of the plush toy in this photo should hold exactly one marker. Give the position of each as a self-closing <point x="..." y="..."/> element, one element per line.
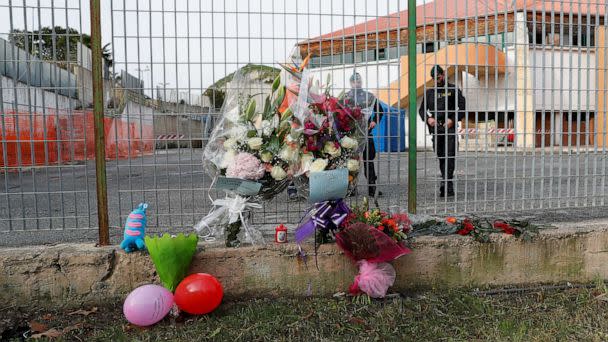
<point x="135" y="228"/>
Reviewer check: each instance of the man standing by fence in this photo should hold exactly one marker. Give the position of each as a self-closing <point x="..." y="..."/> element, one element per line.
<point x="442" y="106"/>
<point x="358" y="97"/>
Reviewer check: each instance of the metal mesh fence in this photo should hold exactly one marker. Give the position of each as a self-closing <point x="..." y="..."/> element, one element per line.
<point x="529" y="134"/>
<point x="46" y="179"/>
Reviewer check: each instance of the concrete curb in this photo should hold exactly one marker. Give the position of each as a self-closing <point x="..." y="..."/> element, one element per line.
<point x="78" y="273"/>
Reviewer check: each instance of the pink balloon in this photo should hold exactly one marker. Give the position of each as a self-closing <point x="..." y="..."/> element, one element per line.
<point x="147" y="305"/>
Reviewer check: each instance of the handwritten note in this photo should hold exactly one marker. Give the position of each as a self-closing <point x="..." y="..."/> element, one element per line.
<point x="328" y="185"/>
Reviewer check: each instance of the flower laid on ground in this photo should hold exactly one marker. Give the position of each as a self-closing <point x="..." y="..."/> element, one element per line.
<point x="396" y="226"/>
<point x="372" y="238"/>
<point x="478" y="228"/>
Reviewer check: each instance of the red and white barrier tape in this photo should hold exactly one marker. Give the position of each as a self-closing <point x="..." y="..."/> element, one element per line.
<point x="490" y="131"/>
<point x="501" y="131"/>
<point x="170" y="137"/>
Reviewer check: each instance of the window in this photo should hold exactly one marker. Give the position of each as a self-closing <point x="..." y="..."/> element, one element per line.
<point x="563" y="35"/>
<point x="365" y="56"/>
<point x="349" y="58"/>
<point x="381" y="54"/>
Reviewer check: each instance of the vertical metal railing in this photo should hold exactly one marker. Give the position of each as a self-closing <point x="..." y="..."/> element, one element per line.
<point x="533" y="137"/>
<point x="98" y="114"/>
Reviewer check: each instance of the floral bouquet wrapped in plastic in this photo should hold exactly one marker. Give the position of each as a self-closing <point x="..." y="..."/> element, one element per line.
<point x="329" y="135"/>
<point x="372" y="238"/>
<point x="248" y="155"/>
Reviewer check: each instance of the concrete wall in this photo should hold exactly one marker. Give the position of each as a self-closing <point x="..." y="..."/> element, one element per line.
<point x="34" y="98"/>
<point x="178" y="124"/>
<point x="72" y="274"/>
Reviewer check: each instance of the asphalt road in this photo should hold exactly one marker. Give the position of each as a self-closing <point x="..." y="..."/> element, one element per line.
<point x="58" y="204"/>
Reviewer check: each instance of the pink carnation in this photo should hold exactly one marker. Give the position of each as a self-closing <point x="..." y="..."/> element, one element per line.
<point x="245" y="166"/>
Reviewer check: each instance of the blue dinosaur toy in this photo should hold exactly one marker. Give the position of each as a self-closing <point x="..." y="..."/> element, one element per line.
<point x="135" y="229"/>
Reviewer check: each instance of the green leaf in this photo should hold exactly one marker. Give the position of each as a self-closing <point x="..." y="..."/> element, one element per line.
<point x="286" y="115"/>
<point x="250" y="112"/>
<point x="274" y="145"/>
<point x="252" y="134"/>
<point x="172" y="257"/>
<point x="280" y="97"/>
<point x="267" y="112"/>
<point x="276" y="83"/>
<point x="215" y="332"/>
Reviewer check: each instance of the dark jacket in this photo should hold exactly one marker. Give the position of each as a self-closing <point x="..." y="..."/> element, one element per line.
<point x="442" y="103"/>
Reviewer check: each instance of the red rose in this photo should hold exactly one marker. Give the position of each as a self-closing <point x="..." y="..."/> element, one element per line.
<point x="311" y="144"/>
<point x="505" y="227"/>
<point x="356" y="113"/>
<point x="331" y="104"/>
<point x="309" y="125"/>
<point x="467" y="227"/>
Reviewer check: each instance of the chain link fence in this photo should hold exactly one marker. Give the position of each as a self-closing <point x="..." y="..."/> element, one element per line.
<point x="526" y="136"/>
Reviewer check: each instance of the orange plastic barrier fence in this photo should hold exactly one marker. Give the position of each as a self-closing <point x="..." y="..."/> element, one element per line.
<point x="35" y="140"/>
<point x="30" y="140"/>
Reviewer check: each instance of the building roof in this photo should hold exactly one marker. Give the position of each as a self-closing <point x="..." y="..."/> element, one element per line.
<point x="441" y="11"/>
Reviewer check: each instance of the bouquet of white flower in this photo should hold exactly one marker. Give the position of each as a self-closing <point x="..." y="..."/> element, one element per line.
<point x="250" y="143"/>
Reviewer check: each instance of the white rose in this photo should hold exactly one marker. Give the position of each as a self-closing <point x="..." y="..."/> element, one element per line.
<point x="255" y="143"/>
<point x="266" y="157"/>
<point x="278" y="173"/>
<point x="331" y="149"/>
<point x="352" y="165"/>
<point x="230" y="144"/>
<point x="349" y="143"/>
<point x="239" y="133"/>
<point x="318" y="165"/>
<point x="306" y="161"/>
<point x="266" y="128"/>
<point x="289" y="153"/>
<point x="228" y="158"/>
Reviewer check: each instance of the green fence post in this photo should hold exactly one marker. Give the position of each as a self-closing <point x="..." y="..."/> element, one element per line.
<point x="411" y="53"/>
<point x="100" y="140"/>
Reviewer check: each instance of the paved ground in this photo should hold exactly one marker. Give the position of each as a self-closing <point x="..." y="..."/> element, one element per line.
<point x="55" y="204"/>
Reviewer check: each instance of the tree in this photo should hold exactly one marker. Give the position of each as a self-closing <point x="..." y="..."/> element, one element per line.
<point x="56" y="44"/>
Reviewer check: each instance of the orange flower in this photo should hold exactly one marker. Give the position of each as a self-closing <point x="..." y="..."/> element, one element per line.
<point x="305" y="62"/>
<point x="350" y="178"/>
<point x="289" y="98"/>
<point x="451" y="220"/>
<point x="366" y="214"/>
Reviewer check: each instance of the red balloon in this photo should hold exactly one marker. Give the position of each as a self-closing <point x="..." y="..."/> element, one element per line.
<point x="198" y="294"/>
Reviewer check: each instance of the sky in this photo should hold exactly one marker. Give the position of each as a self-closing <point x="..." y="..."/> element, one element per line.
<point x="187" y="45"/>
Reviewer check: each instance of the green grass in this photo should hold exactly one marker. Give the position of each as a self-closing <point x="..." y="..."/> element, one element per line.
<point x="570" y="315"/>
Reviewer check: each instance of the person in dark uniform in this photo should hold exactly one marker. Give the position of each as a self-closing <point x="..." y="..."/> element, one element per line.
<point x="370" y="107"/>
<point x="442" y="107"/>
